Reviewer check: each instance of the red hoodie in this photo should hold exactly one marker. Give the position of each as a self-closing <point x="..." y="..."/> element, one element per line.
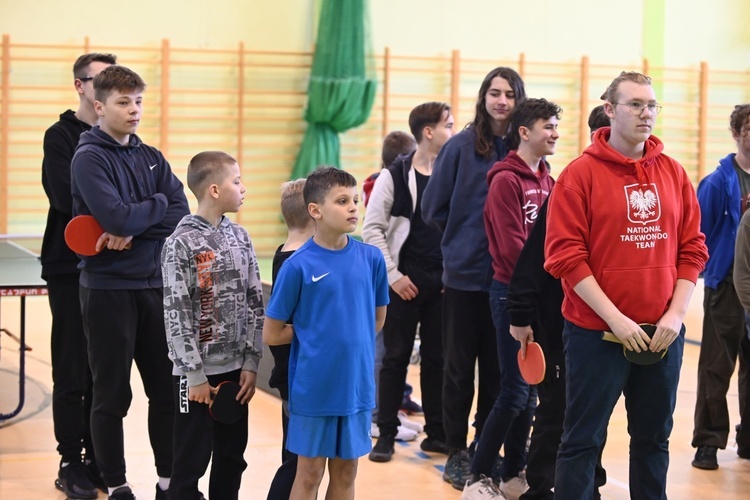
<point x="513" y="200"/>
<point x="632" y="224"/>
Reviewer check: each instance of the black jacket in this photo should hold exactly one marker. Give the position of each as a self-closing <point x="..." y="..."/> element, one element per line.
<point x="131" y="191"/>
<point x="535" y="296"/>
<point x="60" y="142"/>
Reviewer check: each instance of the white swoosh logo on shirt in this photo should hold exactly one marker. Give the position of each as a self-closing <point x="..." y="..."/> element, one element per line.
<point x="318" y="278"/>
<point x="152" y="166"/>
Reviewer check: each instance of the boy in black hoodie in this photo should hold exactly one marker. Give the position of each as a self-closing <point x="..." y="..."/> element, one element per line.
<point x="71" y="377"/>
<point x="131" y="191"/>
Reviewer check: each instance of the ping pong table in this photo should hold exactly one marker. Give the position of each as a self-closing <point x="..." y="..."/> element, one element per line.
<point x="20" y="276"/>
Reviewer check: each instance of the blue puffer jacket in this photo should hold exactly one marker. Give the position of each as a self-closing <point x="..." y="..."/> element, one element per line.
<point x="720" y="201"/>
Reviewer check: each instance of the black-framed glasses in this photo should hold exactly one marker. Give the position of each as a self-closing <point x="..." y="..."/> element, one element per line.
<point x="86" y="78"/>
<point x="637" y="108"/>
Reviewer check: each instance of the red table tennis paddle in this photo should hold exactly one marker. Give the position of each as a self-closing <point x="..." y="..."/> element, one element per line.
<point x="639" y="358"/>
<point x="82" y="233"/>
<point x="224" y="407"/>
<point x="533" y="367"/>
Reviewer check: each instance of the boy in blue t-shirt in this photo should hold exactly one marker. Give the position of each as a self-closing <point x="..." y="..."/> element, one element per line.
<point x="334" y="290"/>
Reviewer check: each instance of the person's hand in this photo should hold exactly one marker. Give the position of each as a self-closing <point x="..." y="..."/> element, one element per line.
<point x="405" y="288"/>
<point x="200" y="393"/>
<point x="523" y="334"/>
<point x="247" y="381"/>
<point x="630" y="334"/>
<point x="667" y="330"/>
<point x="113" y="242"/>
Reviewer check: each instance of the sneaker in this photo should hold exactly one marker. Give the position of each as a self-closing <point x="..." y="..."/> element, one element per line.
<point x="483" y="489"/>
<point x="514" y="487"/>
<point x="383" y="450"/>
<point x="95" y="475"/>
<point x="402" y="434"/>
<point x="411" y="407"/>
<point x="410" y="424"/>
<point x="72" y="481"/>
<point x="705" y="458"/>
<point x="743" y="453"/>
<point x="161" y="494"/>
<point x="458" y="469"/>
<point x="122" y="493"/>
<point x="434" y="445"/>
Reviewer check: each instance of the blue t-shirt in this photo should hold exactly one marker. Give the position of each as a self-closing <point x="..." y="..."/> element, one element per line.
<point x="330" y="297"/>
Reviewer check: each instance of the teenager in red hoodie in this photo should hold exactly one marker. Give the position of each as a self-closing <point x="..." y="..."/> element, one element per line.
<point x="518" y="185"/>
<point x="623" y="234"/>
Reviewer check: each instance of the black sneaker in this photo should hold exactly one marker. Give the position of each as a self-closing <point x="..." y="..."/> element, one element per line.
<point x="458" y="469"/>
<point x="383" y="449"/>
<point x="72" y="481"/>
<point x="95" y="475"/>
<point x="705" y="458"/>
<point x="434" y="445"/>
<point x="122" y="493"/>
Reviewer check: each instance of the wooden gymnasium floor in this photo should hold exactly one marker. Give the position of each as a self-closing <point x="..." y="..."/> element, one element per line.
<point x="28" y="460"/>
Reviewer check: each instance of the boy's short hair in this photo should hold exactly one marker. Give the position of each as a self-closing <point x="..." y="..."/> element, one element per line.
<point x="81" y="66"/>
<point x="395" y="144"/>
<point x="427" y="114"/>
<point x="610" y="95"/>
<point x="526" y="114"/>
<point x="293" y="207"/>
<point x="739" y="118"/>
<point x="206" y="168"/>
<point x="598" y="118"/>
<point x="117" y="78"/>
<point x="321" y="180"/>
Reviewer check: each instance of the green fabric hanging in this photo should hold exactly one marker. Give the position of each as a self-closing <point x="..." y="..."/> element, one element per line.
<point x="342" y="84"/>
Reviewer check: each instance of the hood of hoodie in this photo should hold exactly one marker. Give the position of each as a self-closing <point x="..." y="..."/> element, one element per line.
<point x="191" y="222"/>
<point x="603" y="152"/>
<point x="515" y="164"/>
<point x="97" y="136"/>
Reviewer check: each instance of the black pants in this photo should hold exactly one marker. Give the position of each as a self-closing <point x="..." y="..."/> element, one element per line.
<point x="468" y="336"/>
<point x="399" y="332"/>
<point x="198" y="438"/>
<point x="724" y="341"/>
<point x="71" y="377"/>
<point x="123" y="326"/>
<point x="281" y="486"/>
<point x="548" y="429"/>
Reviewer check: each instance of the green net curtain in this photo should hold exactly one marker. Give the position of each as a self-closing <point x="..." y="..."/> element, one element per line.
<point x="342" y="84"/>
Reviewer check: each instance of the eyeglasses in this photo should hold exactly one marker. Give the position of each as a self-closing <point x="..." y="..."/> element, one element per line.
<point x="637" y="107"/>
<point x="86" y="78"/>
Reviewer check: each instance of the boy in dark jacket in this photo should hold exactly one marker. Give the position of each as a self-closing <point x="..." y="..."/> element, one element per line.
<point x="71" y="377"/>
<point x="131" y="191"/>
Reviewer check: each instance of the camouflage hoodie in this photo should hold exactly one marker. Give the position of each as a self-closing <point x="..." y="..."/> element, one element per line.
<point x="213" y="299"/>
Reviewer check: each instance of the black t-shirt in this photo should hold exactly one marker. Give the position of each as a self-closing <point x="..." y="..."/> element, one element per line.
<point x="744" y="179"/>
<point x="280" y="373"/>
<point x="423" y="242"/>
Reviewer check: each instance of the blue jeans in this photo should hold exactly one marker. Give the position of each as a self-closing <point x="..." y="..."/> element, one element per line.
<point x="597" y="373"/>
<point x="509" y="421"/>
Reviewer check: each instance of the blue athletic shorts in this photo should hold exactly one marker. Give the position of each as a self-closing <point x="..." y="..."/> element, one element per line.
<point x="331" y="437"/>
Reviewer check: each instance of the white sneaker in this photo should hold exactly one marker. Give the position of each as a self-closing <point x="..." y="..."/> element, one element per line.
<point x="483" y="489"/>
<point x="410" y="424"/>
<point x="403" y="433"/>
<point x="514" y="488"/>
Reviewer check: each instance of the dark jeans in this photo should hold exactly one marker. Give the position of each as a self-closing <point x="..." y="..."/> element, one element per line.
<point x="71" y="377"/>
<point x="597" y="373"/>
<point x="723" y="343"/>
<point x="509" y="422"/>
<point x="123" y="326"/>
<point x="399" y="332"/>
<point x="198" y="439"/>
<point x="468" y="336"/>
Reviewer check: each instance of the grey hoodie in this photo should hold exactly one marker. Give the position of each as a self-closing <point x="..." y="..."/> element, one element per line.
<point x="213" y="299"/>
